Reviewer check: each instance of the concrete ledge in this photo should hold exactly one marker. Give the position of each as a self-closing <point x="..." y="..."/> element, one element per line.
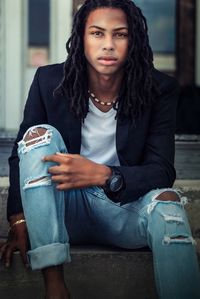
<point x="187" y="185"/>
<point x="94" y="273"/>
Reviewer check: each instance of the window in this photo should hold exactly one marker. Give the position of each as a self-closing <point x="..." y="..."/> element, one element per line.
<point x="160" y="15"/>
<point x="38" y="32"/>
<point x="161" y="21"/>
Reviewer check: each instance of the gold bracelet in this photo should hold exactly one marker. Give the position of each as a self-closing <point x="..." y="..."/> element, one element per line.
<point x="17" y="222"/>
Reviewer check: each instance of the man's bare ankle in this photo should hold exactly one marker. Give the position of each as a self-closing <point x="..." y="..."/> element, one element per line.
<point x="53" y="274"/>
<point x="55" y="287"/>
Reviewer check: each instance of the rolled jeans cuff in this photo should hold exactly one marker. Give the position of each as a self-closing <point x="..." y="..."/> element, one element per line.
<point x="49" y="255"/>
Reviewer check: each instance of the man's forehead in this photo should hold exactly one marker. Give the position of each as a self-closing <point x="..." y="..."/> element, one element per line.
<point x="103" y="29"/>
<point x="104" y="17"/>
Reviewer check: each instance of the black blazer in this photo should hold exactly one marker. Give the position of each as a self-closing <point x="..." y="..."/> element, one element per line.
<point x="145" y="149"/>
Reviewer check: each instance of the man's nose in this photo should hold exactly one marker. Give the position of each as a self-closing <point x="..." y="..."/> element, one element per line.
<point x="108" y="43"/>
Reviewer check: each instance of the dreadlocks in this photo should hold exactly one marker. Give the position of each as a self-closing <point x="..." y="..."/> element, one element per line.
<point x="138" y="88"/>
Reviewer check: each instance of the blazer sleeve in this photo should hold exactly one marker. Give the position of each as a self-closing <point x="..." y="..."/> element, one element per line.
<point x="157" y="167"/>
<point x="34" y="113"/>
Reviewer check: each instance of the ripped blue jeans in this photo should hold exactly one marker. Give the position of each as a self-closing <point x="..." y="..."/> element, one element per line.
<point x="56" y="218"/>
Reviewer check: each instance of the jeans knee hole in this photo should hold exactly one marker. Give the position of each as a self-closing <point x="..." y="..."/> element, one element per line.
<point x="181" y="239"/>
<point x="35" y="137"/>
<point x="174" y="218"/>
<point x="38" y="182"/>
<point x="168" y="196"/>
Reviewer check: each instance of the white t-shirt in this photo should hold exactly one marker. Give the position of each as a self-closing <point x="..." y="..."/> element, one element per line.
<point x="98" y="136"/>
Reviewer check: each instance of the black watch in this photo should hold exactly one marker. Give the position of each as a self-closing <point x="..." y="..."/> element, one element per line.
<point x="115" y="182"/>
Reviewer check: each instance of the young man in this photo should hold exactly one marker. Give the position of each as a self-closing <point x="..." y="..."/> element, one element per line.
<point x="96" y="151"/>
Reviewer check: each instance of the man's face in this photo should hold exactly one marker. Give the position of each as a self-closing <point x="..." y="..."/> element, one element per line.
<point x="106" y="41"/>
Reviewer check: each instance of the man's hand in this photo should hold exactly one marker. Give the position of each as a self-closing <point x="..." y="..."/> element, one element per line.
<point x="75" y="171"/>
<point x="17" y="240"/>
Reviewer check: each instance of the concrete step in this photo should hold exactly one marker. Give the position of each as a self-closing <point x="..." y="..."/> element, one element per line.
<point x="187" y="156"/>
<point x="94" y="273"/>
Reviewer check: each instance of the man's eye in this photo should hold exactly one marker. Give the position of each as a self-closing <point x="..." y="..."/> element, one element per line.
<point x="121" y="34"/>
<point x="97" y="33"/>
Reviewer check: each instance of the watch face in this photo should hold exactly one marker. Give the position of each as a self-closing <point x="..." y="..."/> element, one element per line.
<point x="116" y="183"/>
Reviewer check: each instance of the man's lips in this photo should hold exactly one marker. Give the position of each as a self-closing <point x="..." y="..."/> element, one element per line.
<point x="107" y="60"/>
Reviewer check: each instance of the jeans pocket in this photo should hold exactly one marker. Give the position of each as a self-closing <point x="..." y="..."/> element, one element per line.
<point x="97" y="192"/>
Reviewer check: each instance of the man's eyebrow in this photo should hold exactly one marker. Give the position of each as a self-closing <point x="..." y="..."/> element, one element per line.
<point x="97" y="27"/>
<point x="103" y="29"/>
<point x="121" y="28"/>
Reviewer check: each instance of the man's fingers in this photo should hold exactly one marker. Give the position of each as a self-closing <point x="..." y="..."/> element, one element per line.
<point x="55" y="170"/>
<point x="24" y="258"/>
<point x="61" y="154"/>
<point x="8" y="255"/>
<point x="3" y="247"/>
<point x="67" y="186"/>
<point x="60" y="179"/>
<point x="74" y="156"/>
<point x="1" y="244"/>
<point x="62" y="187"/>
<point x="58" y="158"/>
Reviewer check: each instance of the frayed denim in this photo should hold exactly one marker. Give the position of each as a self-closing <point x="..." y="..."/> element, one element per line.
<point x="56" y="218"/>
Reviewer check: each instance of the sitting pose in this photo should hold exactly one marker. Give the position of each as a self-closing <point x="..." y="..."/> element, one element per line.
<point x="93" y="159"/>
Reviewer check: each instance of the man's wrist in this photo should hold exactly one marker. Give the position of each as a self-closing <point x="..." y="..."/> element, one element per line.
<point x="106" y="172"/>
<point x="16" y="217"/>
<point x="115" y="183"/>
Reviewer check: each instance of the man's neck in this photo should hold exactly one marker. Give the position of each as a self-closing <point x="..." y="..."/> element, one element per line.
<point x="105" y="87"/>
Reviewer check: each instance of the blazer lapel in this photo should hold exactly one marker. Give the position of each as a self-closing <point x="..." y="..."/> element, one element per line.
<point x="122" y="136"/>
<point x="74" y="134"/>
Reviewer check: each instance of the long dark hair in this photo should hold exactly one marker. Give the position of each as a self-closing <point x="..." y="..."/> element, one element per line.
<point x="138" y="89"/>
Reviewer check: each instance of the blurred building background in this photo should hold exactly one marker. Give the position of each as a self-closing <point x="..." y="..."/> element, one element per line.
<point x="34" y="32"/>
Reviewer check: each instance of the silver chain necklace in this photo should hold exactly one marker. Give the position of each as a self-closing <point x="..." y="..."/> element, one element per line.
<point x="93" y="97"/>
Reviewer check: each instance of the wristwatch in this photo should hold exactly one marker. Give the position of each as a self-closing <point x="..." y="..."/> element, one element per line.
<point x="115" y="182"/>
